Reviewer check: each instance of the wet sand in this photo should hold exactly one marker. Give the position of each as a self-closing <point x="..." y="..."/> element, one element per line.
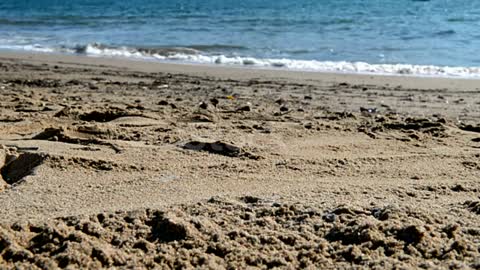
<point x="114" y="163"/>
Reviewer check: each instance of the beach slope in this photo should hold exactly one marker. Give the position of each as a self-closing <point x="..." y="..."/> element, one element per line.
<point x="113" y="163"/>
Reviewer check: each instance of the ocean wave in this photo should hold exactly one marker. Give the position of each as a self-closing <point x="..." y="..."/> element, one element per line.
<point x="140" y="52"/>
<point x="33" y="48"/>
<point x="215" y="47"/>
<point x="197" y="56"/>
<point x="189" y="55"/>
<point x="444" y="33"/>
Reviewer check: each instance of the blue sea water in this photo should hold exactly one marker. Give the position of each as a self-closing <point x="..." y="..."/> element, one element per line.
<point x="436" y="37"/>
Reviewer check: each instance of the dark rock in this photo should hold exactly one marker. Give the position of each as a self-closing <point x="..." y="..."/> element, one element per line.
<point x="214" y="102"/>
<point x="330" y="217"/>
<point x="368" y="110"/>
<point x="106" y="116"/>
<point x="308" y="125"/>
<point x="459" y="188"/>
<point x="168" y="228"/>
<point x="473" y="206"/>
<point x="245" y="108"/>
<point x="21" y="166"/>
<point x="471" y="128"/>
<point x="218" y="147"/>
<point x="203" y="105"/>
<point x="411" y="234"/>
<point x="284" y="109"/>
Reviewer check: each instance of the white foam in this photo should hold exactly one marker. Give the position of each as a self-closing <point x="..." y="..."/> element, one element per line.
<point x="289" y="64"/>
<point x="95" y="50"/>
<point x="33" y="48"/>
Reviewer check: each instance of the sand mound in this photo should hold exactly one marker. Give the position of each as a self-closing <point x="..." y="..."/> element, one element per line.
<point x="135" y="121"/>
<point x="243" y="233"/>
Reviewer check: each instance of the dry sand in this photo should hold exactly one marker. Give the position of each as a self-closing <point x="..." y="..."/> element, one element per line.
<point x="124" y="164"/>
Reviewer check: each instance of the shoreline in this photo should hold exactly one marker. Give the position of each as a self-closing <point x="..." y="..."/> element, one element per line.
<point x="242" y="72"/>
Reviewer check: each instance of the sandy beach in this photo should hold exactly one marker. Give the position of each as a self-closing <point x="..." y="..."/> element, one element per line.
<point x="110" y="163"/>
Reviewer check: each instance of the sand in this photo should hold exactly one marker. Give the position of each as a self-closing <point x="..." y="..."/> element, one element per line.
<point x="128" y="164"/>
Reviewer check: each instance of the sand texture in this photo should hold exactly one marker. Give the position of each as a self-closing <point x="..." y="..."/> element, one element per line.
<point x="116" y="164"/>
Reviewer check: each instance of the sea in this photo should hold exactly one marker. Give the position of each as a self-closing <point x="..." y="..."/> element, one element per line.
<point x="438" y="38"/>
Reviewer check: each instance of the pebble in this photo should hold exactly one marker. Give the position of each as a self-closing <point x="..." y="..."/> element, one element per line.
<point x="214" y="102"/>
<point x="368" y="110"/>
<point x="329" y="217"/>
<point x="245" y="108"/>
<point x="284" y="109"/>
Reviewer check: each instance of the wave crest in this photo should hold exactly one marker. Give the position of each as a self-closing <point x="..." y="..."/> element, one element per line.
<point x="197" y="56"/>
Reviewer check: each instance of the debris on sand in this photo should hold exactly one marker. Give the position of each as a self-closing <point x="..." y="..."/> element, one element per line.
<point x="368" y="110"/>
<point x="470" y="128"/>
<point x="83" y="135"/>
<point x="219" y="148"/>
<point x="246" y="108"/>
<point x="106" y="116"/>
<point x="65" y="135"/>
<point x="473" y="206"/>
<point x="214" y="102"/>
<point x="16" y="166"/>
<point x="284" y="109"/>
<point x="203" y="106"/>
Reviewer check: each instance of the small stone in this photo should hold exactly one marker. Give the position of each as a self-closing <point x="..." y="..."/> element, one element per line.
<point x="218" y="147"/>
<point x="368" y="110"/>
<point x="458" y="188"/>
<point x="245" y="108"/>
<point x="202" y="118"/>
<point x="329" y="217"/>
<point x="284" y="109"/>
<point x="280" y="101"/>
<point x="214" y="102"/>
